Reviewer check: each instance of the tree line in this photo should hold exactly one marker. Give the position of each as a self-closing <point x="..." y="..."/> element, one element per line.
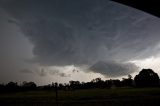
<point x="145" y="78"/>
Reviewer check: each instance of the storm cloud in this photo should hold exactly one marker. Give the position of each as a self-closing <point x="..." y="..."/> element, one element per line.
<point x="26" y="71"/>
<point x="86" y="32"/>
<point x="113" y="69"/>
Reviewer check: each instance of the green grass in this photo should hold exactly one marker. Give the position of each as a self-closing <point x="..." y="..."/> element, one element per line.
<point x="88" y="97"/>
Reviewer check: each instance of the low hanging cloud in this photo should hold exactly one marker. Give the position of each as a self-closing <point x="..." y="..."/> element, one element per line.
<point x="64" y="75"/>
<point x="83" y="32"/>
<point x="113" y="69"/>
<point x="59" y="73"/>
<point x="26" y="71"/>
<point x="55" y="71"/>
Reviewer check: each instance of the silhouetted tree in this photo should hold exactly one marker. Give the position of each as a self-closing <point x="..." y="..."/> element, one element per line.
<point x="12" y="87"/>
<point x="127" y="81"/>
<point x="61" y="86"/>
<point x="96" y="80"/>
<point x="74" y="84"/>
<point x="29" y="85"/>
<point x="2" y="87"/>
<point x="116" y="83"/>
<point x="97" y="83"/>
<point x="147" y="78"/>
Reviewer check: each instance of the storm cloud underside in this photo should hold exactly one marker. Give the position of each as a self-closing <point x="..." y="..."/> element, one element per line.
<point x="86" y="32"/>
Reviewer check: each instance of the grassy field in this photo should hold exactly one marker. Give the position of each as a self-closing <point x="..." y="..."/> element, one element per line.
<point x="90" y="97"/>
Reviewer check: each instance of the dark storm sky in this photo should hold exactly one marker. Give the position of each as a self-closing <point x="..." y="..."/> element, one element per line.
<point x="101" y="34"/>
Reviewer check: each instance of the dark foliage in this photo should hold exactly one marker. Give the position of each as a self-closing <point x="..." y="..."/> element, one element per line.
<point x="28" y="86"/>
<point x="127" y="81"/>
<point x="12" y="87"/>
<point x="147" y="78"/>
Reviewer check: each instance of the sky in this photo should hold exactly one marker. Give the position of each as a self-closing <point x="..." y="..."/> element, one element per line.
<point x="60" y="40"/>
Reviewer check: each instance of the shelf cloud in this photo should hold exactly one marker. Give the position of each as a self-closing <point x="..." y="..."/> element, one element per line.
<point x="85" y="32"/>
